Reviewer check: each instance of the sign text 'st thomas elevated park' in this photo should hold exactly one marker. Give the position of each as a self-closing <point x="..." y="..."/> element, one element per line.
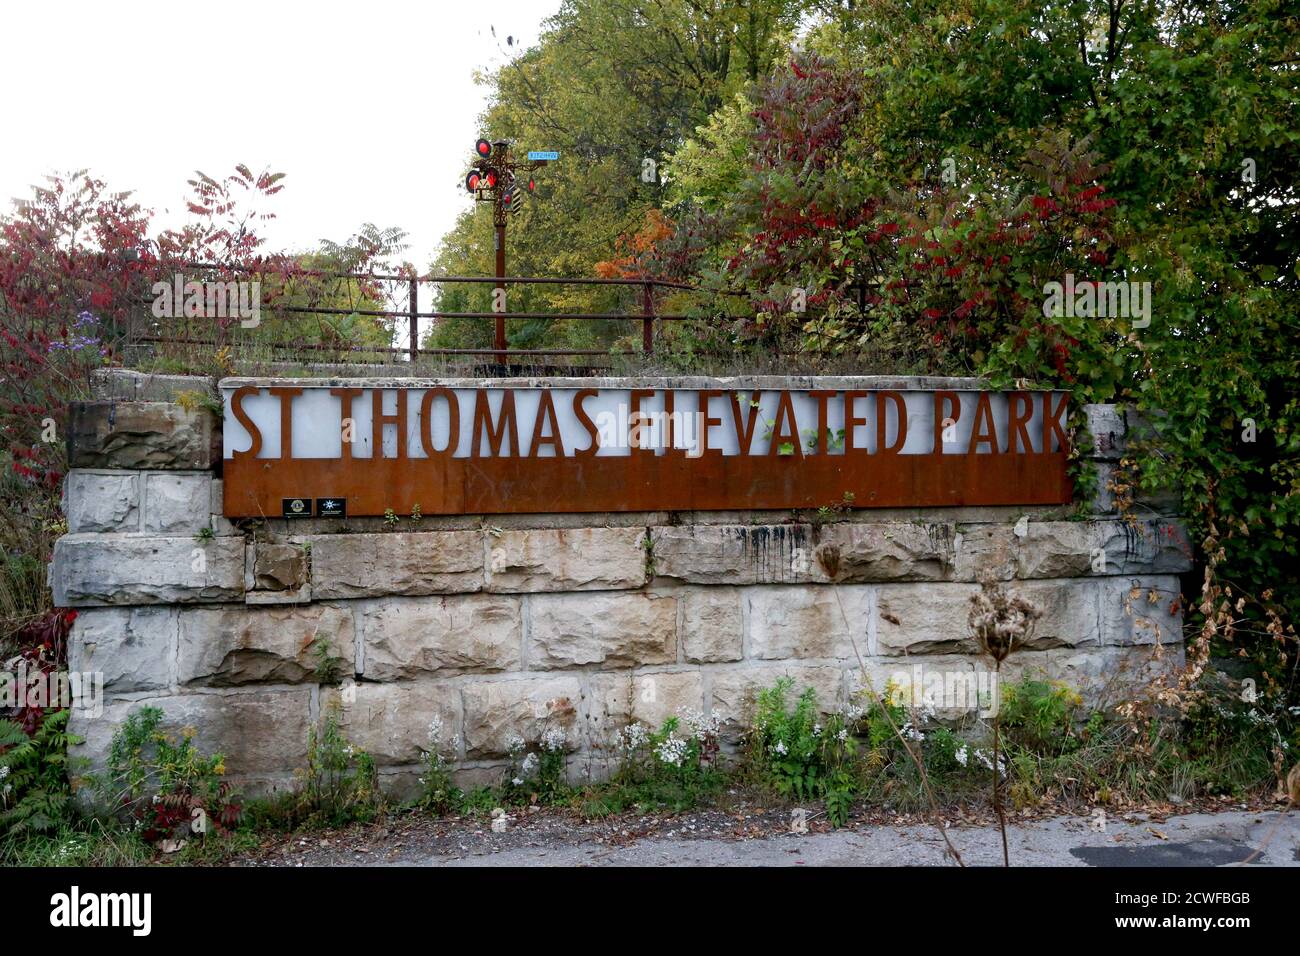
<point x="368" y="446"/>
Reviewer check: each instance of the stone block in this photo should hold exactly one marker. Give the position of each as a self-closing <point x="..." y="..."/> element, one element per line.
<point x="1069" y="613"/>
<point x="393" y="722"/>
<point x="924" y="619"/>
<point x="1145" y="610"/>
<point x="261" y="731"/>
<point x="276" y="566"/>
<point x="410" y="637"/>
<point x="611" y="630"/>
<point x="234" y="645"/>
<point x="500" y="713"/>
<point x="102" y="501"/>
<point x="133" y="648"/>
<point x="648" y="698"/>
<point x="1106" y="676"/>
<point x="985" y="549"/>
<point x="935" y="618"/>
<point x="176" y="503"/>
<point x="809" y="621"/>
<point x="732" y="691"/>
<point x="567" y="559"/>
<point x="150" y="436"/>
<point x="98" y="569"/>
<point x="735" y="554"/>
<point x="712" y="625"/>
<point x="884" y="551"/>
<point x="379" y="565"/>
<point x="1107" y="428"/>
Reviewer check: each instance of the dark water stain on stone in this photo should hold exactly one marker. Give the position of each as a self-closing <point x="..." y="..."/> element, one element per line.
<point x="770" y="548"/>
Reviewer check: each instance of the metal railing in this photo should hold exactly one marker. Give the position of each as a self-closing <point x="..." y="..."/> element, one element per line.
<point x="411" y="315"/>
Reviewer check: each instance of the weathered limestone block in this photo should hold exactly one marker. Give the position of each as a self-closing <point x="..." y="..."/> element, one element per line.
<point x="612" y="630"/>
<point x="924" y="619"/>
<point x="934" y="618"/>
<point x="393" y="722"/>
<point x="94" y="569"/>
<point x="133" y="648"/>
<point x="1061" y="549"/>
<point x="1069" y="613"/>
<point x="1145" y="610"/>
<point x="176" y="503"/>
<point x="144" y="435"/>
<point x="1106" y="676"/>
<point x="733" y="691"/>
<point x="809" y="621"/>
<point x="567" y="559"/>
<point x="944" y="685"/>
<point x="378" y="565"/>
<point x="1148" y="546"/>
<point x="276" y="566"/>
<point x="233" y="645"/>
<point x="649" y="698"/>
<point x="261" y="731"/>
<point x="1107" y="428"/>
<point x="497" y="713"/>
<point x="712" y="625"/>
<point x="102" y="501"/>
<point x="985" y="549"/>
<point x="408" y="637"/>
<point x="886" y="551"/>
<point x="130" y="385"/>
<point x="736" y="554"/>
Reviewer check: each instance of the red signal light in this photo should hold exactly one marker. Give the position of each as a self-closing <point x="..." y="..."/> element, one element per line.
<point x="532" y="185"/>
<point x="483" y="148"/>
<point x="472" y="181"/>
<point x="492" y="179"/>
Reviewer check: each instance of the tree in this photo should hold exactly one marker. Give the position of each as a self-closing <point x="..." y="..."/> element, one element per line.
<point x="611" y="85"/>
<point x="1154" y="143"/>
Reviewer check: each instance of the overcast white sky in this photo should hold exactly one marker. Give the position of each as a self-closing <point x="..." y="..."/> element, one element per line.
<point x="370" y="108"/>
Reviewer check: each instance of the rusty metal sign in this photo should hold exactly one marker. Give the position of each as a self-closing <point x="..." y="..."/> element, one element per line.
<point x="355" y="448"/>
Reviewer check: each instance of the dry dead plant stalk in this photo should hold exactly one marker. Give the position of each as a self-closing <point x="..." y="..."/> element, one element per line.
<point x="907" y="745"/>
<point x="1001" y="623"/>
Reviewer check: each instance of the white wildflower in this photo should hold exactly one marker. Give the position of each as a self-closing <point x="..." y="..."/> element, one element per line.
<point x="986" y="759"/>
<point x="779" y="748"/>
<point x="672" y="750"/>
<point x="554" y="740"/>
<point x="703" y="725"/>
<point x="634" y="736"/>
<point x="855" y="711"/>
<point x="529" y="764"/>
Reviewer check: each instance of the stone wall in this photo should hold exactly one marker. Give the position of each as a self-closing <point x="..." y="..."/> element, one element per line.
<point x="509" y="626"/>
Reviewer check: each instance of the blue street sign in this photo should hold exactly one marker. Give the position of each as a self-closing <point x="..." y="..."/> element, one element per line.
<point x="543" y="154"/>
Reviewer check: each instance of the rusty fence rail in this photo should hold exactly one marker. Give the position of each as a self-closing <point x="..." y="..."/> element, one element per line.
<point x="412" y="314"/>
